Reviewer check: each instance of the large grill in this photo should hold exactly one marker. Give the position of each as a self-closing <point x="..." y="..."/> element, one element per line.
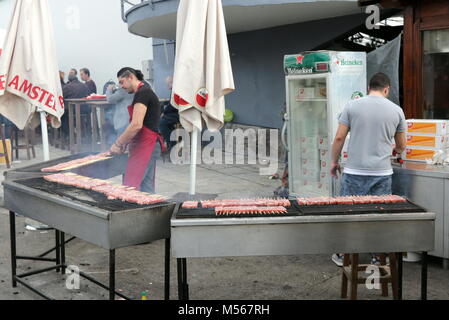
<point x="84" y="214"/>
<point x="89" y="197"/>
<point x="314" y="210"/>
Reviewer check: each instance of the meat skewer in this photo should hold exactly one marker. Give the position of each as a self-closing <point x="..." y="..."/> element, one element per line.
<point x="77" y="162"/>
<point x="111" y="191"/>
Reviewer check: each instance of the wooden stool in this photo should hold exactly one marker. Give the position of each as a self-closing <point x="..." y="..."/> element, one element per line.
<point x="5" y="150"/>
<point x="28" y="143"/>
<point x="387" y="274"/>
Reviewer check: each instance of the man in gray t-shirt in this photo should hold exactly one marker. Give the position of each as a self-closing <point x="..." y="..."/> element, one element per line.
<point x="375" y="124"/>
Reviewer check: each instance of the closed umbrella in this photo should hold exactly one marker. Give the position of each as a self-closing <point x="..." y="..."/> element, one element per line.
<point x="29" y="76"/>
<point x="203" y="72"/>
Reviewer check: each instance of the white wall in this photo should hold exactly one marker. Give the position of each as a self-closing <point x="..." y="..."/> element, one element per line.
<point x="91" y="34"/>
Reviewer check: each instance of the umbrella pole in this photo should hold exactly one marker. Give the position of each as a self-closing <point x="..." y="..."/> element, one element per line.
<point x="44" y="135"/>
<point x="193" y="151"/>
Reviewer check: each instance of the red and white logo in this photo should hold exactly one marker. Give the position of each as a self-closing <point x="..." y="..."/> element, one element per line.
<point x="409" y="151"/>
<point x="410" y="124"/>
<point x="201" y="97"/>
<point x="179" y="101"/>
<point x="299" y="59"/>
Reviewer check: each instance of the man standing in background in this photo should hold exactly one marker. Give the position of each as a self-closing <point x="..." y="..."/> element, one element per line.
<point x="85" y="76"/>
<point x="375" y="124"/>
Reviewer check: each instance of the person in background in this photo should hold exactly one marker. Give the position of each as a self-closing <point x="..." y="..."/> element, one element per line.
<point x="85" y="76"/>
<point x="375" y="122"/>
<point x="145" y="143"/>
<point x="169" y="117"/>
<point x="73" y="89"/>
<point x="121" y="99"/>
<point x="61" y="77"/>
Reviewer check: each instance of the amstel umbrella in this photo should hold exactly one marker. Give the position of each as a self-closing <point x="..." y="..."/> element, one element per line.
<point x="29" y="76"/>
<point x="203" y="72"/>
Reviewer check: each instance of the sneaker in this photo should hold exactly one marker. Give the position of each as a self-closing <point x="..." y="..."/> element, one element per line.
<point x="376" y="260"/>
<point x="338" y="259"/>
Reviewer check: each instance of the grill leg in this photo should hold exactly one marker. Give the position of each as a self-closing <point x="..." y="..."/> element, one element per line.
<point x="399" y="258"/>
<point x="12" y="225"/>
<point x="58" y="252"/>
<point x="167" y="269"/>
<point x="424" y="276"/>
<point x="111" y="274"/>
<point x="179" y="266"/>
<point x="185" y="286"/>
<point x="62" y="243"/>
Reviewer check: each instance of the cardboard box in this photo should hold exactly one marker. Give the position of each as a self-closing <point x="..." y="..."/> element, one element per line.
<point x="325" y="165"/>
<point x="308" y="142"/>
<point x="325" y="176"/>
<point x="419" y="153"/>
<point x="310" y="164"/>
<point x="323" y="143"/>
<point x="312" y="175"/>
<point x="324" y="154"/>
<point x="427" y="127"/>
<point x="416" y="140"/>
<point x="8" y="147"/>
<point x="310" y="153"/>
<point x="305" y="93"/>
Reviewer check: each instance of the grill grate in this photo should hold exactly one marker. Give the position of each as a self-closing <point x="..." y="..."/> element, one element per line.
<point x="88" y="197"/>
<point x="315" y="210"/>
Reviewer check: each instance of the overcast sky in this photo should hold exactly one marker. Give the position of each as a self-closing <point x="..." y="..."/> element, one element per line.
<point x="91" y="33"/>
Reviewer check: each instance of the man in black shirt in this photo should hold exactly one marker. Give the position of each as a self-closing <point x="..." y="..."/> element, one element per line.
<point x="74" y="89"/>
<point x="145" y="143"/>
<point x="85" y="76"/>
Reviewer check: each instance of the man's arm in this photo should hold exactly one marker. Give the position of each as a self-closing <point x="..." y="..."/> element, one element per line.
<point x="132" y="129"/>
<point x="113" y="97"/>
<point x="400" y="141"/>
<point x="337" y="146"/>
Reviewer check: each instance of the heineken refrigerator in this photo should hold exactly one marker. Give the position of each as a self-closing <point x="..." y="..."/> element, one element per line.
<point x="318" y="86"/>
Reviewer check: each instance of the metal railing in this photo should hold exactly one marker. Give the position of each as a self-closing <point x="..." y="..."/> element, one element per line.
<point x="127" y="5"/>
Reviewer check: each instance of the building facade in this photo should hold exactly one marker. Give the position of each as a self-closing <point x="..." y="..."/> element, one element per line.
<point x="260" y="33"/>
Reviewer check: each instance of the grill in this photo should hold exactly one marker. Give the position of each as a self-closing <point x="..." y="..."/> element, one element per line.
<point x="84" y="214"/>
<point x="315" y="210"/>
<point x="364" y="228"/>
<point x="88" y="197"/>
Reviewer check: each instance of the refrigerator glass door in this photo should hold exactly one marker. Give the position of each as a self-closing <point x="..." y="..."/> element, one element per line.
<point x="308" y="136"/>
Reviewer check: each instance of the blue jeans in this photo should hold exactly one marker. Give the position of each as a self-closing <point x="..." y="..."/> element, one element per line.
<point x="355" y="185"/>
<point x="147" y="184"/>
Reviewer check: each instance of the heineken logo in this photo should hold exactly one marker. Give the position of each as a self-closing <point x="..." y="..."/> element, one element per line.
<point x="201" y="97"/>
<point x="299" y="59"/>
<point x="356" y="95"/>
<point x="353" y="62"/>
<point x="299" y="71"/>
<point x="179" y="101"/>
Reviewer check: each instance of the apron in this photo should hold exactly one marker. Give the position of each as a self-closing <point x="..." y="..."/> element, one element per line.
<point x="141" y="148"/>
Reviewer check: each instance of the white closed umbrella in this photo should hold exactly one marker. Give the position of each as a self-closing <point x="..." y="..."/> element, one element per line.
<point x="29" y="73"/>
<point x="203" y="72"/>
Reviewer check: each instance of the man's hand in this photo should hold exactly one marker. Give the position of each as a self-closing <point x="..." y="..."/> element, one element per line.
<point x="335" y="167"/>
<point x="111" y="87"/>
<point x="115" y="149"/>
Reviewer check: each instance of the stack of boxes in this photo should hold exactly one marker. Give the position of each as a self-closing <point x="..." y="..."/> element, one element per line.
<point x="315" y="163"/>
<point x="425" y="138"/>
<point x="325" y="177"/>
<point x="310" y="161"/>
